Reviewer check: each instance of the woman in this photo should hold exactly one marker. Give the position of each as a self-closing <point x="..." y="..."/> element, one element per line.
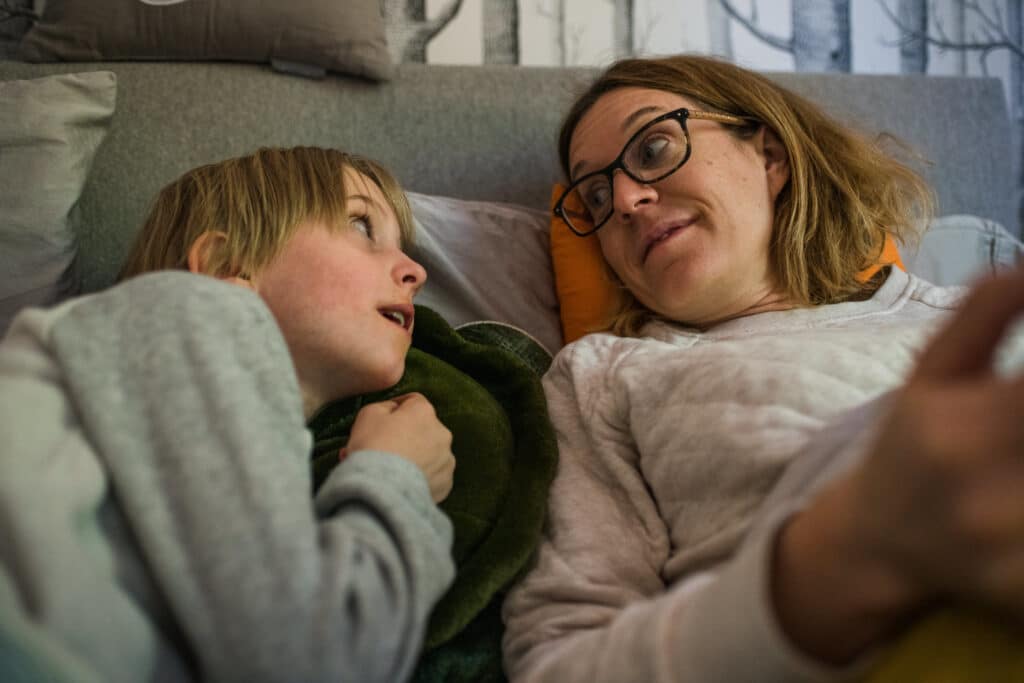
<point x="740" y="221"/>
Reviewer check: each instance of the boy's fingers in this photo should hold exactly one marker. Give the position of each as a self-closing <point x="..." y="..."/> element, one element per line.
<point x="383" y="407"/>
<point x="966" y="343"/>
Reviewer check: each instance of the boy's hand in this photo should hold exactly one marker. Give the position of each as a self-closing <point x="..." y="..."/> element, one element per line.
<point x="408" y="427"/>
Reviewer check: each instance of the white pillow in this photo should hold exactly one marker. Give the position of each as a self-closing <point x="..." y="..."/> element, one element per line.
<point x="487" y="261"/>
<point x="957" y="249"/>
<point x="50" y="129"/>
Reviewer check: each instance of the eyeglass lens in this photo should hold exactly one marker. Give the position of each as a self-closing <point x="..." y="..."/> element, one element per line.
<point x="654" y="152"/>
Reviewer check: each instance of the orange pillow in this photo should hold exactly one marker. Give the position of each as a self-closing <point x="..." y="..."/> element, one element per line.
<point x="890" y="257"/>
<point x="585" y="294"/>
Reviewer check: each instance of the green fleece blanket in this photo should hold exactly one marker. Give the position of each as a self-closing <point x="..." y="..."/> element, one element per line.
<point x="484" y="382"/>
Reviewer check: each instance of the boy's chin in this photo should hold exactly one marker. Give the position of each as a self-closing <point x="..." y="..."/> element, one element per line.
<point x="388" y="377"/>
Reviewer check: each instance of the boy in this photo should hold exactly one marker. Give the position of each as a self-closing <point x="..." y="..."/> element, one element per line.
<point x="155" y="509"/>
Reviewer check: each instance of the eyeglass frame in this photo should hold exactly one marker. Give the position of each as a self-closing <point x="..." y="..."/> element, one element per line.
<point x="681" y="115"/>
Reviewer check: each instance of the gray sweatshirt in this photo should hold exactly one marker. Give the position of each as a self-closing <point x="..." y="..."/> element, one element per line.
<point x="156" y="518"/>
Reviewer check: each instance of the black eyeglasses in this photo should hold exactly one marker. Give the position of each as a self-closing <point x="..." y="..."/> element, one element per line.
<point x="656" y="151"/>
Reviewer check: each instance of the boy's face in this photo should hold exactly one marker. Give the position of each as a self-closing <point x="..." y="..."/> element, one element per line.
<point x="343" y="298"/>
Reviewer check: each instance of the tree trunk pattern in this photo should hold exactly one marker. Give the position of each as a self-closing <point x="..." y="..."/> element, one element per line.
<point x="821" y="35"/>
<point x="501" y="32"/>
<point x="719" y="29"/>
<point x="959" y="33"/>
<point x="913" y="15"/>
<point x="554" y="11"/>
<point x="408" y="29"/>
<point x="1015" y="32"/>
<point x="622" y="27"/>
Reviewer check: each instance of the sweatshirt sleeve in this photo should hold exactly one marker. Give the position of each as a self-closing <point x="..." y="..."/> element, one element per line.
<point x="595" y="607"/>
<point x="187" y="390"/>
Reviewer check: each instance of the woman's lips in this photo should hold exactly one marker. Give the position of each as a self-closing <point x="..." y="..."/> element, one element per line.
<point x="662" y="234"/>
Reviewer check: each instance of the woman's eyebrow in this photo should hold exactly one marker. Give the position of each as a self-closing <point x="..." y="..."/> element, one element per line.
<point x="630" y="120"/>
<point x="627" y="123"/>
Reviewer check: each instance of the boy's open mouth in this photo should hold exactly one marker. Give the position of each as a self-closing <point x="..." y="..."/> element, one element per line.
<point x="400" y="315"/>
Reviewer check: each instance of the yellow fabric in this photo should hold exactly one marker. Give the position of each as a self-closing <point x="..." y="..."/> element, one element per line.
<point x="586" y="295"/>
<point x="955" y="646"/>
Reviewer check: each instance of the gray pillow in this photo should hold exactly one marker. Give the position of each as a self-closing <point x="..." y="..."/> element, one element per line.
<point x="302" y="36"/>
<point x="487" y="261"/>
<point x="959" y="248"/>
<point x="50" y="129"/>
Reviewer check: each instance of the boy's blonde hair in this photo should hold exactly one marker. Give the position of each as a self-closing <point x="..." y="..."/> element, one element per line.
<point x="257" y="201"/>
<point x="844" y="195"/>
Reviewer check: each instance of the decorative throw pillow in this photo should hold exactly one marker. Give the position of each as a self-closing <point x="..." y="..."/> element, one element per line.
<point x="956" y="249"/>
<point x="300" y="36"/>
<point x="502" y="273"/>
<point x="50" y="129"/>
<point x="585" y="292"/>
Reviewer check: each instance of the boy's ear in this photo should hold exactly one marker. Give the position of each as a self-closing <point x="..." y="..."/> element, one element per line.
<point x="200" y="255"/>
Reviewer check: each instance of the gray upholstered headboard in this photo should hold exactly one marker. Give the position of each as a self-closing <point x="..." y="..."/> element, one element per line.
<point x="473" y="132"/>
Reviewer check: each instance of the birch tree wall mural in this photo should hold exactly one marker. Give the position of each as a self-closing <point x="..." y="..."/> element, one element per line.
<point x="622" y="28"/>
<point x="935" y="37"/>
<point x="820" y="35"/>
<point x="938" y="37"/>
<point x="501" y="32"/>
<point x="719" y="29"/>
<point x="913" y="47"/>
<point x="995" y="28"/>
<point x="409" y="30"/>
<point x="554" y="12"/>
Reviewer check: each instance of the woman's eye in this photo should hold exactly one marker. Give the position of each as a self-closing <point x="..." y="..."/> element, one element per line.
<point x="652" y="150"/>
<point x="595" y="196"/>
<point x="363" y="225"/>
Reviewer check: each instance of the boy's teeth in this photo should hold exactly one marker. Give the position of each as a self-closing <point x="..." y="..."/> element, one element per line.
<point x="397" y="317"/>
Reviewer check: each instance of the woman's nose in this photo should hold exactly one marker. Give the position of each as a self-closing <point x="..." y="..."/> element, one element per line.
<point x="628" y="195"/>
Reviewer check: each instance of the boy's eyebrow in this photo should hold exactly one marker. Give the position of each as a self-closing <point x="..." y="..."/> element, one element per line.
<point x="369" y="200"/>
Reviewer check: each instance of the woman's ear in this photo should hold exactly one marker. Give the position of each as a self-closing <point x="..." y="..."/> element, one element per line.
<point x="201" y="253"/>
<point x="776" y="160"/>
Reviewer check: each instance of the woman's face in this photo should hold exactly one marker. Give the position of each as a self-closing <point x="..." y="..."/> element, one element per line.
<point x="693" y="246"/>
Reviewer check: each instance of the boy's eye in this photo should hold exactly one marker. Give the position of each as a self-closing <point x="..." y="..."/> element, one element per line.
<point x="363" y="225"/>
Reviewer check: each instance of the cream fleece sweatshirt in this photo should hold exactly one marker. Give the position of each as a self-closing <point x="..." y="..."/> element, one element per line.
<point x="669" y="445"/>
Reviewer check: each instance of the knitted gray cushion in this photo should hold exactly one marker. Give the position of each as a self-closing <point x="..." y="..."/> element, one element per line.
<point x="304" y="36"/>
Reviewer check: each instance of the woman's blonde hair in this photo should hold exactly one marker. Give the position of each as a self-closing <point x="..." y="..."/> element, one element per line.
<point x="845" y="192"/>
<point x="257" y="201"/>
